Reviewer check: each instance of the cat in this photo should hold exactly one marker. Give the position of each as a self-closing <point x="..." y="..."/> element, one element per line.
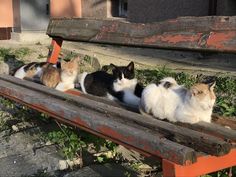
<point x="30" y="70"/>
<point x="120" y="85"/>
<point x="61" y="78"/>
<point x="177" y="103"/>
<point x="50" y="76"/>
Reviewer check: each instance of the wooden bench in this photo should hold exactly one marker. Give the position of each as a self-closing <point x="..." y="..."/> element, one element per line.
<point x="185" y="150"/>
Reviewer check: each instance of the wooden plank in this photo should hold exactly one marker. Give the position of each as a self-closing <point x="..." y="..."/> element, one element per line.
<point x="213" y="129"/>
<point x="148" y="142"/>
<point x="199" y="141"/>
<point x="210" y="33"/>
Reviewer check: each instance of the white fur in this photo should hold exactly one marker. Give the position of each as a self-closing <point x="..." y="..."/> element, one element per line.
<point x="124" y="84"/>
<point x="130" y="98"/>
<point x="110" y="97"/>
<point x="175" y="103"/>
<point x="20" y="73"/>
<point x="128" y="87"/>
<point x="81" y="78"/>
<point x="67" y="81"/>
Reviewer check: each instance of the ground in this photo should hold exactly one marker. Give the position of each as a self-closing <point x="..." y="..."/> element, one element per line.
<point x="28" y="145"/>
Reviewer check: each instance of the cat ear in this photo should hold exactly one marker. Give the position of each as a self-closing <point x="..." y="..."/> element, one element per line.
<point x="211" y="85"/>
<point x="130" y="66"/>
<point x="112" y="66"/>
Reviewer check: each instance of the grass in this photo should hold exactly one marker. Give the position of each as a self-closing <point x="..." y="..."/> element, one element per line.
<point x="17" y="53"/>
<point x="14" y="57"/>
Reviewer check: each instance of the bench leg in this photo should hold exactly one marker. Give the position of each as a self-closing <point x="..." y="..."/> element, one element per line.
<point x="54" y="50"/>
<point x="204" y="165"/>
<point x="171" y="169"/>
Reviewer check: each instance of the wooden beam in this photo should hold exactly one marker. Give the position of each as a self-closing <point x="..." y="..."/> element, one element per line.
<point x="96" y="121"/>
<point x="210" y="33"/>
<point x="196" y="140"/>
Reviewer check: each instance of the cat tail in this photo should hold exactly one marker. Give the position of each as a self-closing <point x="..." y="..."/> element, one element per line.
<point x="81" y="79"/>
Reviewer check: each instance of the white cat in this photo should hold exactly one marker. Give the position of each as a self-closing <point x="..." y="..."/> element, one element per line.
<point x="176" y="103"/>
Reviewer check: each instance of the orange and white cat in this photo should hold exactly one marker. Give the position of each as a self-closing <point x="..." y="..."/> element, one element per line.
<point x="174" y="102"/>
<point x="61" y="79"/>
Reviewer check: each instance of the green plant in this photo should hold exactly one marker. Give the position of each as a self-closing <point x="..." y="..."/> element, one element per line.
<point x="223" y="173"/>
<point x="70" y="56"/>
<point x="68" y="141"/>
<point x="4" y="52"/>
<point x="22" y="52"/>
<point x="100" y="144"/>
<point x="88" y="59"/>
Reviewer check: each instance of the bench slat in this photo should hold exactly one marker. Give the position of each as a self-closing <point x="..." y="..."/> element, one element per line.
<point x="148" y="142"/>
<point x="197" y="140"/>
<point x="210" y="33"/>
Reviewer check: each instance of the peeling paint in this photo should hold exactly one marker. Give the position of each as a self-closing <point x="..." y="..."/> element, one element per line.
<point x="173" y="38"/>
<point x="218" y="40"/>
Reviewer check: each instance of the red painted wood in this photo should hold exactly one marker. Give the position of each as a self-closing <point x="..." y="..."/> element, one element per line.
<point x="204" y="165"/>
<point x="54" y="50"/>
<point x="210" y="33"/>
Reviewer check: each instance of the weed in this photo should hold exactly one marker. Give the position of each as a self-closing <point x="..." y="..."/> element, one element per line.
<point x="222" y="173"/>
<point x="99" y="144"/>
<point x="87" y="59"/>
<point x="70" y="56"/>
<point x="22" y="52"/>
<point x="4" y="52"/>
<point x="127" y="174"/>
<point x="68" y="141"/>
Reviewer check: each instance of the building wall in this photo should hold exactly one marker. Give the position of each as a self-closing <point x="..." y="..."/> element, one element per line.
<point x="226" y="7"/>
<point x="16" y="16"/>
<point x="66" y="8"/>
<point x="158" y="10"/>
<point x="34" y="15"/>
<point x="6" y="13"/>
<point x="95" y="8"/>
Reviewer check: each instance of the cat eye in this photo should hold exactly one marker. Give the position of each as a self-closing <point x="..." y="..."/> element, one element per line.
<point x="200" y="92"/>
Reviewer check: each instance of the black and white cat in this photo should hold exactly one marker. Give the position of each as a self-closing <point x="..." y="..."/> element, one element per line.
<point x="121" y="85"/>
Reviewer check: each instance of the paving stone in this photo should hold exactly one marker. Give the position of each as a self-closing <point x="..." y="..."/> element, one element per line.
<point x="103" y="170"/>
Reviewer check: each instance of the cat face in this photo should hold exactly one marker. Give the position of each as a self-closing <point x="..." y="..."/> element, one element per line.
<point x="69" y="68"/>
<point x="203" y="95"/>
<point x="122" y="72"/>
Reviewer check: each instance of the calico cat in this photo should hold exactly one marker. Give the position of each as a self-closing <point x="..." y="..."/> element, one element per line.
<point x="30" y="70"/>
<point x="120" y="85"/>
<point x="176" y="103"/>
<point x="61" y="78"/>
